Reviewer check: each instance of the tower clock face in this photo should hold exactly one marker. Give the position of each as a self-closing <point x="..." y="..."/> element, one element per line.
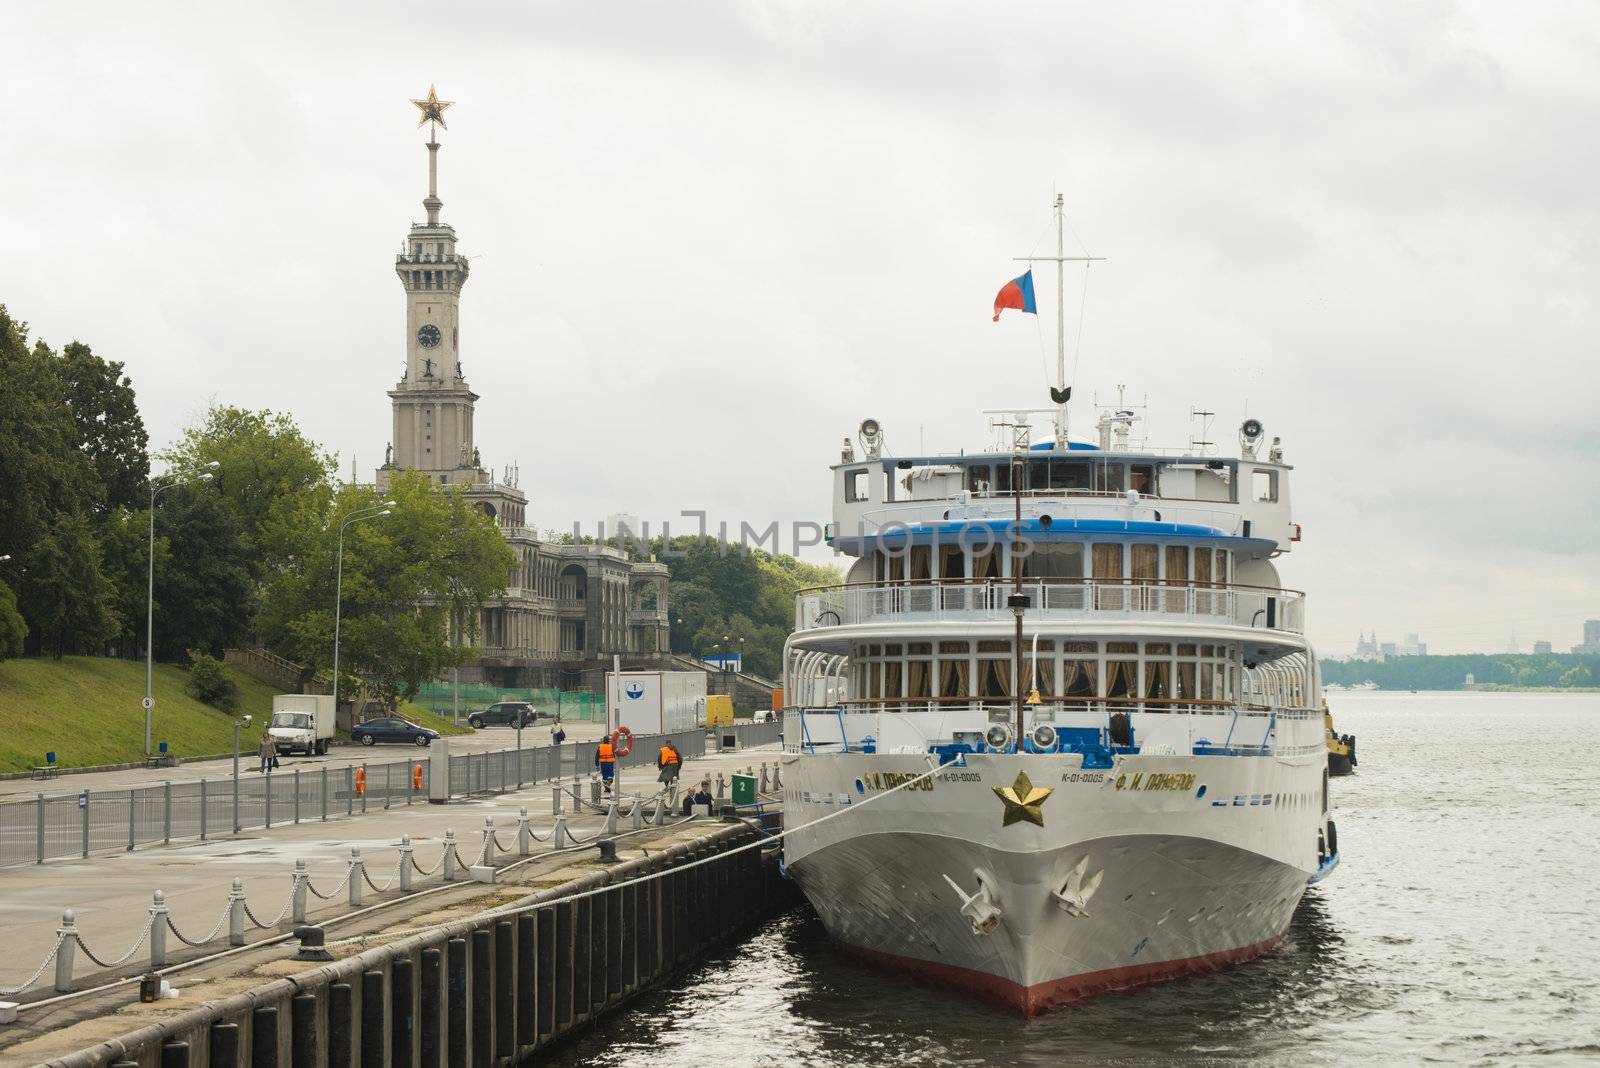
<point x="428" y="336"/>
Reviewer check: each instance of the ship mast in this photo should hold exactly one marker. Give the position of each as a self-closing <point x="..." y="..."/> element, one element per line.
<point x="1060" y="393"/>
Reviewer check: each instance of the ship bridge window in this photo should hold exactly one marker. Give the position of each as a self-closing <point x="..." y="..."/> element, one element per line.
<point x="1108" y="478"/>
<point x="1142" y="479"/>
<point x="856" y="486"/>
<point x="978" y="478"/>
<point x="1058" y="476"/>
<point x="1263" y="485"/>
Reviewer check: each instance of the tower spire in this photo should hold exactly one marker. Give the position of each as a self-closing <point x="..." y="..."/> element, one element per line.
<point x="432" y="109"/>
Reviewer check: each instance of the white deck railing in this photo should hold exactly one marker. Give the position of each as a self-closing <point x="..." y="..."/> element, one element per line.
<point x="1247" y="606"/>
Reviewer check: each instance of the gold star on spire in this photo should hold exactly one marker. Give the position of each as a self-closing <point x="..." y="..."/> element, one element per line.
<point x="1022" y="800"/>
<point x="432" y="109"/>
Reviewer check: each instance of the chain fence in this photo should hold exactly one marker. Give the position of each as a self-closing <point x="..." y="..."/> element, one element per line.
<point x="237" y="911"/>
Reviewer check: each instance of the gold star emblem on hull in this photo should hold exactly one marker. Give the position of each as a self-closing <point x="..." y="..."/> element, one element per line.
<point x="1022" y="800"/>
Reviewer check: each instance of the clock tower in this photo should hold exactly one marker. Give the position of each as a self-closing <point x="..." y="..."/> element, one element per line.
<point x="432" y="404"/>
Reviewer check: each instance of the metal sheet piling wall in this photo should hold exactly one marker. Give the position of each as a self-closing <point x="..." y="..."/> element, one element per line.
<point x="484" y="990"/>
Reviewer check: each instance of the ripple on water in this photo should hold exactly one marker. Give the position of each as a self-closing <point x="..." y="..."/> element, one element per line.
<point x="1455" y="932"/>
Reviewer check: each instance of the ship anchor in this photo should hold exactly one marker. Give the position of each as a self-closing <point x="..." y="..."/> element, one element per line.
<point x="981" y="908"/>
<point x="1074" y="896"/>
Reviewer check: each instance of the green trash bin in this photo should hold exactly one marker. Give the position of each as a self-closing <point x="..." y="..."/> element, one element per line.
<point x="744" y="790"/>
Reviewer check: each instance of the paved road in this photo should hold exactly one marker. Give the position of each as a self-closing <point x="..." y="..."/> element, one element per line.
<point x="111" y="893"/>
<point x="490" y="738"/>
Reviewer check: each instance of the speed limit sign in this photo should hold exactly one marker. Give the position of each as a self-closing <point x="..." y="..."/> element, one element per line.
<point x="148" y="703"/>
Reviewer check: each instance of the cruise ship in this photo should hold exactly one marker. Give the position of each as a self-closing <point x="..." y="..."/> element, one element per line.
<point x="1062" y="709"/>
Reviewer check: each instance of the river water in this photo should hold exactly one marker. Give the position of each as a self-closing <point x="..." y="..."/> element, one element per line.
<point x="1462" y="927"/>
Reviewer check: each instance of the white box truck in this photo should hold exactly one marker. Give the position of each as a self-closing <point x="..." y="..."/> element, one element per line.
<point x="655" y="702"/>
<point x="302" y="721"/>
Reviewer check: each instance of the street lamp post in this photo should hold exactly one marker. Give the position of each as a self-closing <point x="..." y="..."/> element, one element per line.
<point x="236" y="725"/>
<point x="156" y="486"/>
<point x="338" y="587"/>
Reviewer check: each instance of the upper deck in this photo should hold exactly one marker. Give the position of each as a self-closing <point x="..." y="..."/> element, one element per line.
<point x="1081" y="490"/>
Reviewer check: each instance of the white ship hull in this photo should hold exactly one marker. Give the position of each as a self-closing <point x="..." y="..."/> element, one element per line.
<point x="1192" y="878"/>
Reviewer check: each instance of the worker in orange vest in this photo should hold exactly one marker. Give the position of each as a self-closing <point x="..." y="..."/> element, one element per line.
<point x="670" y="761"/>
<point x="605" y="758"/>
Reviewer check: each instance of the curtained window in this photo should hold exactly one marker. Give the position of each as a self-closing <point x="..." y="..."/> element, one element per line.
<point x="1122" y="678"/>
<point x="1078" y="678"/>
<point x="1108" y="574"/>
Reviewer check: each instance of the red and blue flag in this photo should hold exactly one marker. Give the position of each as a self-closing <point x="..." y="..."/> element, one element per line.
<point x="1017" y="293"/>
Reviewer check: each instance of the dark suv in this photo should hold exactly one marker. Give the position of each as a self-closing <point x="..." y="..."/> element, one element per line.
<point x="503" y="713"/>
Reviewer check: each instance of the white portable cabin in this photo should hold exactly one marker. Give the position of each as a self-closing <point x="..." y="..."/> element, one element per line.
<point x="655" y="702"/>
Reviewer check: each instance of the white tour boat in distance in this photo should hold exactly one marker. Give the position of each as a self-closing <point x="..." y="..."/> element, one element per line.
<point x="1094" y="643"/>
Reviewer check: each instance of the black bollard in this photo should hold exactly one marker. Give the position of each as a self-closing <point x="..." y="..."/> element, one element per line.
<point x="608" y="851"/>
<point x="341" y="1025"/>
<point x="175" y="1055"/>
<point x="303" y="1031"/>
<point x="312" y="946"/>
<point x="402" y="1019"/>
<point x="428" y="1031"/>
<point x="222" y="1047"/>
<point x="372" y="1052"/>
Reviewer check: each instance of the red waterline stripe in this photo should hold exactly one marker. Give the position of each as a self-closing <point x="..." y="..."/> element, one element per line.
<point x="1031" y="1000"/>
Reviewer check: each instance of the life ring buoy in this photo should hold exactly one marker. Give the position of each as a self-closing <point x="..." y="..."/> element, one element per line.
<point x="361" y="781"/>
<point x="622" y="741"/>
<point x="416" y="776"/>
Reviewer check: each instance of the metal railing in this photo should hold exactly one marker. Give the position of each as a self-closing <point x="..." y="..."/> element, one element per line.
<point x="75" y="825"/>
<point x="1050" y="599"/>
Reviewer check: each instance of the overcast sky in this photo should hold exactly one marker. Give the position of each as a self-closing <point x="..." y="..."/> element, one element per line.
<point x="707" y="239"/>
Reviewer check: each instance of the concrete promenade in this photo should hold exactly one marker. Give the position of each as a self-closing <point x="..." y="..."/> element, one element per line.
<point x="112" y="893"/>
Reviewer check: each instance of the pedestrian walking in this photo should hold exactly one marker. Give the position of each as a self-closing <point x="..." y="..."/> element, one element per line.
<point x="670" y="761"/>
<point x="558" y="735"/>
<point x="605" y="758"/>
<point x="268" y="753"/>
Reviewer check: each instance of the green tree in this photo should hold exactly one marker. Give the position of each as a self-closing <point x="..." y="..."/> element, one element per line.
<point x="13" y="631"/>
<point x="1577" y="676"/>
<point x="206" y="596"/>
<point x="109" y="429"/>
<point x="69" y="599"/>
<point x="210" y="683"/>
<point x="269" y="477"/>
<point x="406" y="576"/>
<point x="125" y="549"/>
<point x="43" y="473"/>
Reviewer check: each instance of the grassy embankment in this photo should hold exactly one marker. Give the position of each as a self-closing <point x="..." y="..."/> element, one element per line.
<point x="87" y="710"/>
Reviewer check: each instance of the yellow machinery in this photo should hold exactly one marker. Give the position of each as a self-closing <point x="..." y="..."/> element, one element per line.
<point x="719" y="710"/>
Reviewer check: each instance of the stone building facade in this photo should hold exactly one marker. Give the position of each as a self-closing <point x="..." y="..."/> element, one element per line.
<point x="567" y="609"/>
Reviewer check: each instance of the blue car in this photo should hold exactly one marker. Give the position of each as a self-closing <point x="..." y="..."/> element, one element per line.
<point x="402" y="731"/>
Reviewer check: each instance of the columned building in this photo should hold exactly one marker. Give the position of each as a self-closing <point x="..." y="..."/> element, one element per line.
<point x="567" y="609"/>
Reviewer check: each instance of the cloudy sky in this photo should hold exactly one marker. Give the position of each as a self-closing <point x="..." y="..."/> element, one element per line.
<point x="708" y="238"/>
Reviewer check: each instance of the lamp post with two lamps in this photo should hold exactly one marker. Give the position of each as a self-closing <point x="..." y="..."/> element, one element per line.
<point x="338" y="586"/>
<point x="165" y="482"/>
